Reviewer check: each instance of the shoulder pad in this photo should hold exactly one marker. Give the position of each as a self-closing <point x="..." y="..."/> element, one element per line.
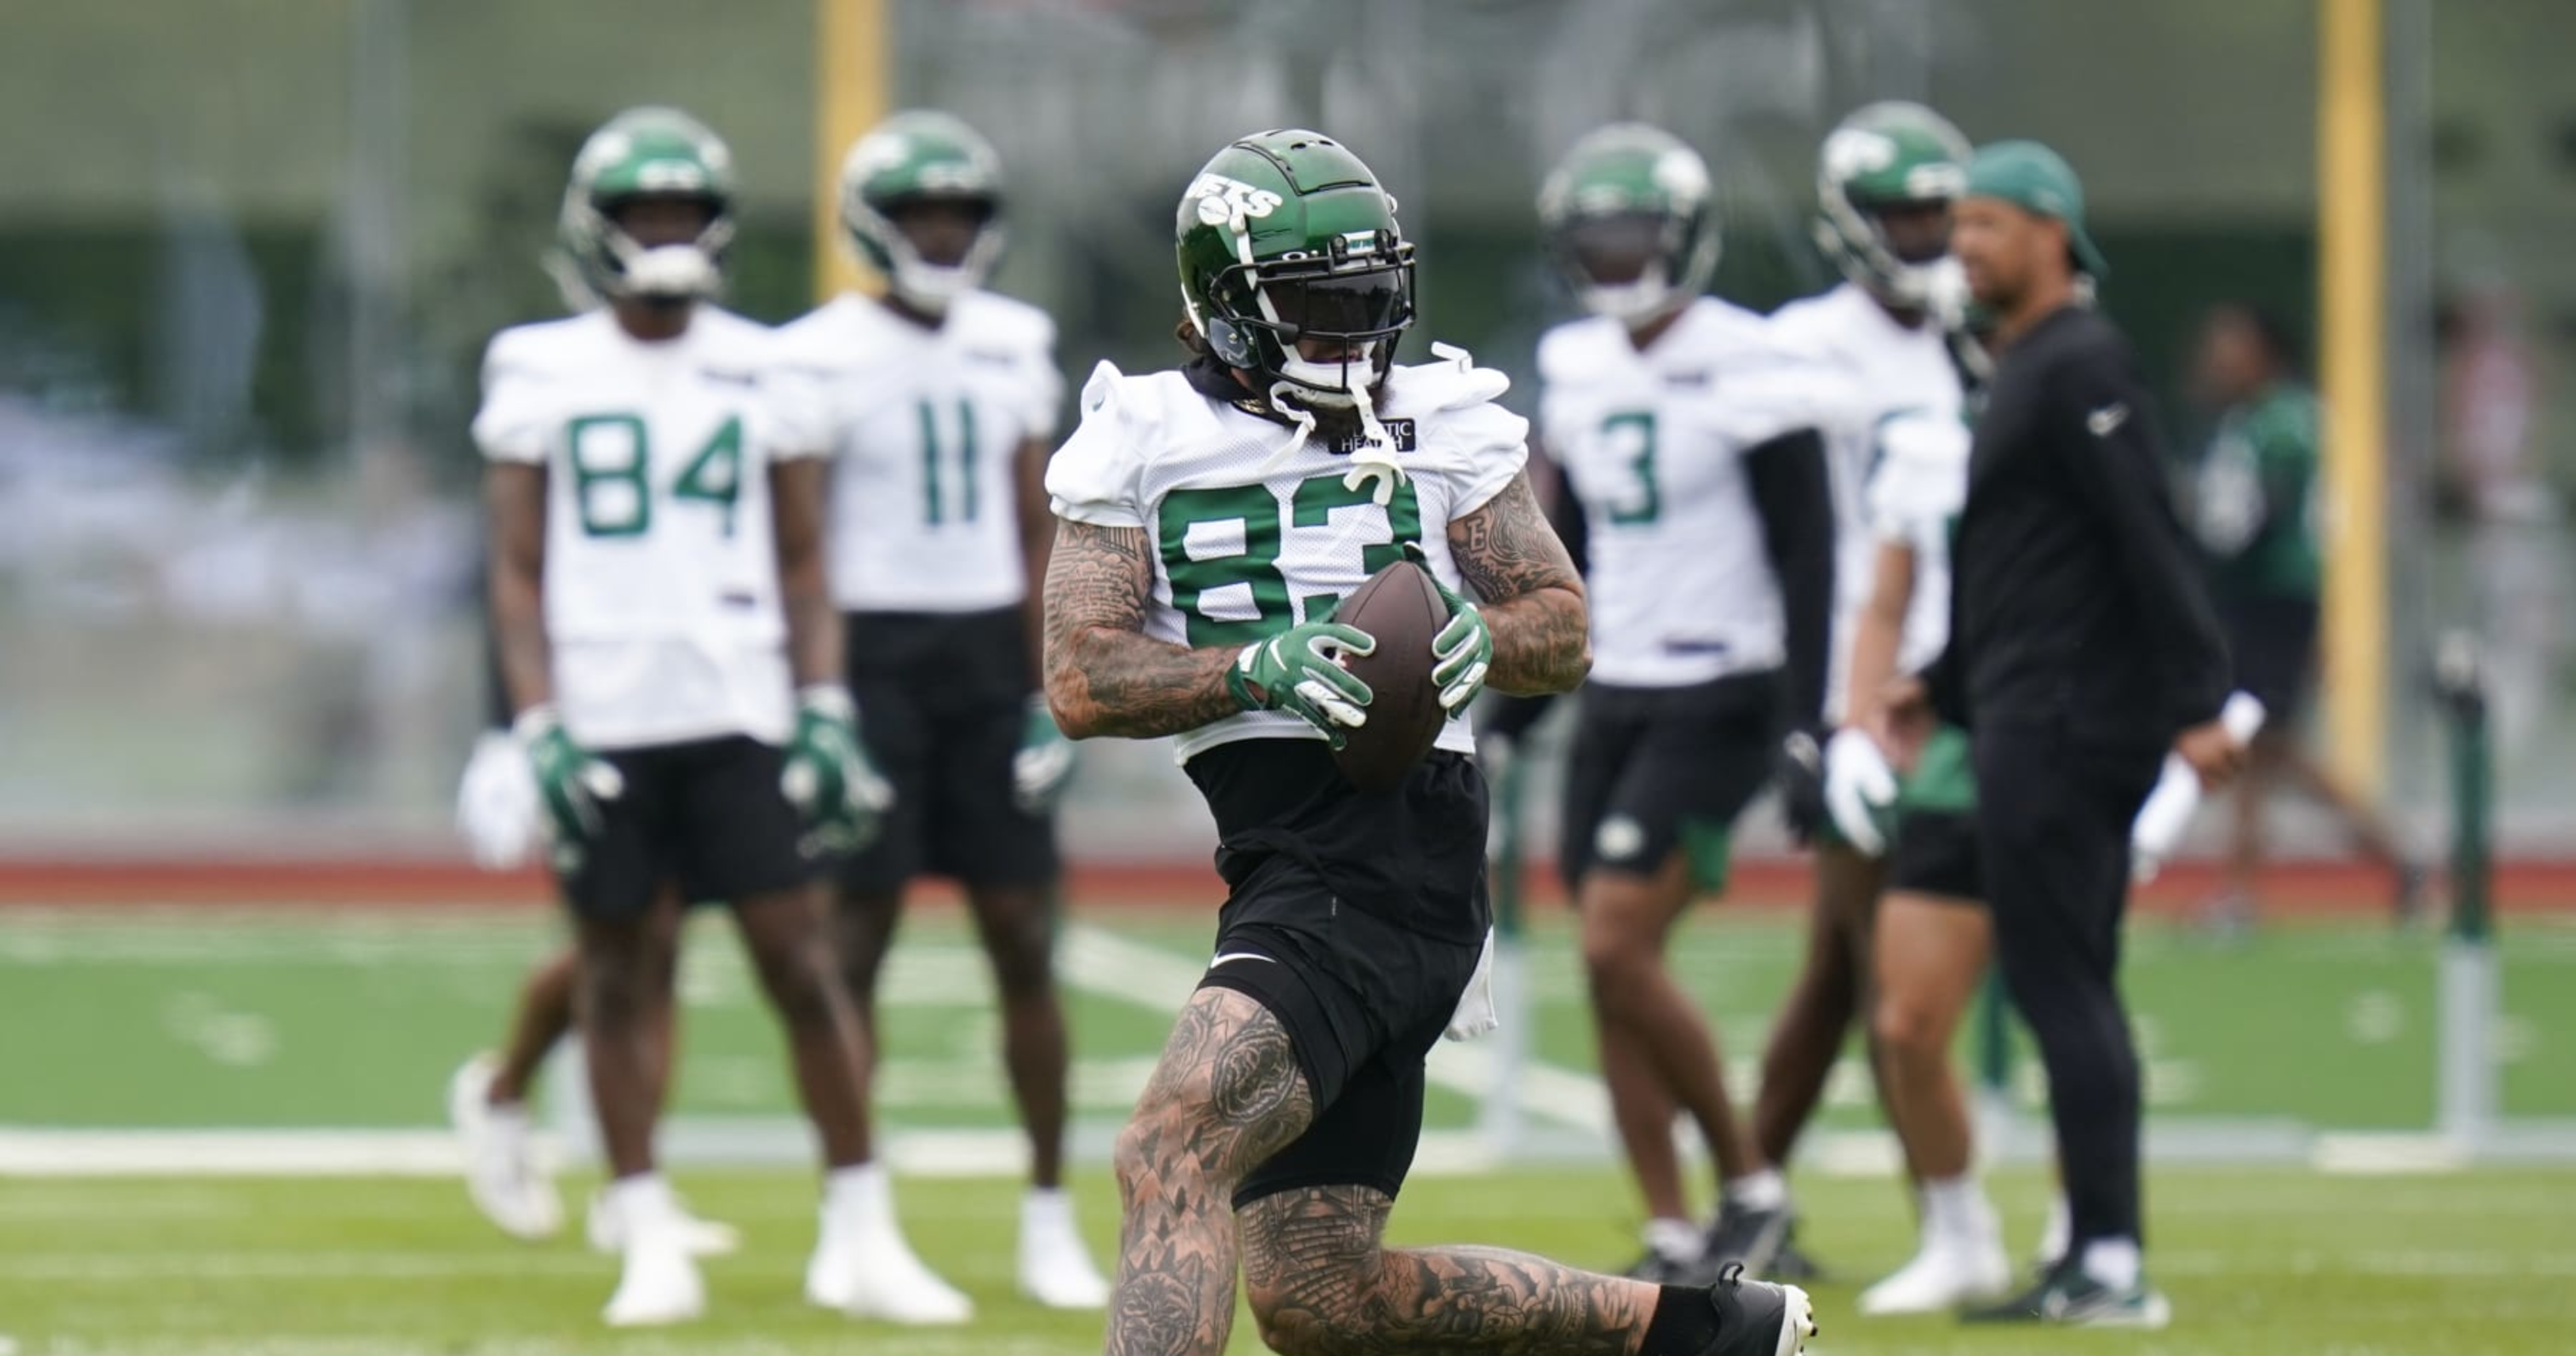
<point x="1453" y="383"/>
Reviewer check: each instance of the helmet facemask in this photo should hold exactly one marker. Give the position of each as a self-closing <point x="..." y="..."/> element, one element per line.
<point x="1621" y="264"/>
<point x="928" y="287"/>
<point x="1356" y="299"/>
<point x="1853" y="234"/>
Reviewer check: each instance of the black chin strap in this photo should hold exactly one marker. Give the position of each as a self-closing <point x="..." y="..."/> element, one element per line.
<point x="1216" y="381"/>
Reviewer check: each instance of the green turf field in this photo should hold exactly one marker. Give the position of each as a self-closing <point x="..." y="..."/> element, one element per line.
<point x="194" y="1019"/>
<point x="2258" y="1264"/>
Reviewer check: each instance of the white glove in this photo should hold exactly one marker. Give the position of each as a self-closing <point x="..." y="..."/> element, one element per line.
<point x="2157" y="831"/>
<point x="1859" y="785"/>
<point x="1043" y="762"/>
<point x="1475" y="1014"/>
<point x="496" y="804"/>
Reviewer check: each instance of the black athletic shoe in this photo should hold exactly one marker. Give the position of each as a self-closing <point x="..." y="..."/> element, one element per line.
<point x="1746" y="1237"/>
<point x="2069" y="1296"/>
<point x="1662" y="1269"/>
<point x="1757" y="1318"/>
<point x="1791" y="1263"/>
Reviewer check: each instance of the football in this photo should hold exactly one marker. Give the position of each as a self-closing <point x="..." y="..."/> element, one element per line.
<point x="1400" y="607"/>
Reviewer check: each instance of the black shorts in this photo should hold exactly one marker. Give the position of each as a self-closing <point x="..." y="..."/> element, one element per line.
<point x="1356" y="919"/>
<point x="2273" y="641"/>
<point x="943" y="700"/>
<point x="1660" y="768"/>
<point x="706" y="815"/>
<point x="1936" y="854"/>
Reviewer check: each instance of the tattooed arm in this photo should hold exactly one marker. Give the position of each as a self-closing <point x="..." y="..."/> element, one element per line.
<point x="1104" y="675"/>
<point x="1533" y="599"/>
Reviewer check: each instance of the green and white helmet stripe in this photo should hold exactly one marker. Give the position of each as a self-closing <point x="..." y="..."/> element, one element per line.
<point x="914" y="155"/>
<point x="646" y="152"/>
<point x="1883" y="155"/>
<point x="1629" y="169"/>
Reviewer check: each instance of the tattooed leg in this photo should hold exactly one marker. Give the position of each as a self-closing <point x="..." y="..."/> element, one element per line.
<point x="1226" y="1096"/>
<point x="1322" y="1284"/>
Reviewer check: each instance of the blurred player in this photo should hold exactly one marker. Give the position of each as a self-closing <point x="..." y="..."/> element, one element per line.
<point x="501" y="815"/>
<point x="2257" y="514"/>
<point x="1885" y="179"/>
<point x="1212" y="518"/>
<point x="1932" y="937"/>
<point x="941" y="397"/>
<point x="1710" y="534"/>
<point x="668" y="640"/>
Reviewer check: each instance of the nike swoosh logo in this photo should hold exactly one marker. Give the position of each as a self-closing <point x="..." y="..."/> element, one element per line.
<point x="2106" y="420"/>
<point x="1241" y="955"/>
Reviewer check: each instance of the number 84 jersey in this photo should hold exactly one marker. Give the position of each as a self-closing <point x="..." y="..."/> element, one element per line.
<point x="1255" y="528"/>
<point x="661" y="565"/>
<point x="1651" y="443"/>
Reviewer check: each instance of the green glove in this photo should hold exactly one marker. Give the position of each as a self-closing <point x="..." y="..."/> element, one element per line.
<point x="1044" y="761"/>
<point x="1463" y="652"/>
<point x="1295" y="671"/>
<point x="571" y="782"/>
<point x="828" y="778"/>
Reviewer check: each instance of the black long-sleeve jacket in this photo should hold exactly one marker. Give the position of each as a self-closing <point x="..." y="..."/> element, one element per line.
<point x="2075" y="602"/>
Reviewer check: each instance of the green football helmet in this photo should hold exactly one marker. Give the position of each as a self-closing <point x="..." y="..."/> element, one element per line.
<point x="647" y="152"/>
<point x="1631" y="200"/>
<point x="1286" y="235"/>
<point x="1886" y="155"/>
<point x="916" y="156"/>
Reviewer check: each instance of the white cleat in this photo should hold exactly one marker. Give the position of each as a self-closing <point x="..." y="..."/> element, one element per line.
<point x="876" y="1276"/>
<point x="1942" y="1277"/>
<point x="1055" y="1269"/>
<point x="660" y="1284"/>
<point x="502" y="1173"/>
<point x="700" y="1237"/>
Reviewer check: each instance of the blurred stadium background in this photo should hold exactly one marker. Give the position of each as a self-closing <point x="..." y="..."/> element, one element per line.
<point x="250" y="250"/>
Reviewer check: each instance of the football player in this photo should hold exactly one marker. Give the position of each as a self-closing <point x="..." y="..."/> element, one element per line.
<point x="1212" y="519"/>
<point x="942" y="398"/>
<point x="1885" y="179"/>
<point x="501" y="816"/>
<point x="1709" y="530"/>
<point x="673" y="658"/>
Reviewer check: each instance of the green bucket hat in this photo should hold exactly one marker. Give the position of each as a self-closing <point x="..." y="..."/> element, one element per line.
<point x="2038" y="180"/>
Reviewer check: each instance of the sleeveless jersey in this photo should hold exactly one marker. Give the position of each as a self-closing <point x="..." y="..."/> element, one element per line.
<point x="926" y="426"/>
<point x="661" y="568"/>
<point x="1255" y="529"/>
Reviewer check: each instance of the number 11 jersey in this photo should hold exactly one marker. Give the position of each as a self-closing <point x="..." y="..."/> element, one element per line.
<point x="1255" y="529"/>
<point x="661" y="562"/>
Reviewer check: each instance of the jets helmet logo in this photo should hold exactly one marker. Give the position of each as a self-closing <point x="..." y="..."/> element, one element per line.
<point x="1855" y="151"/>
<point x="1222" y="200"/>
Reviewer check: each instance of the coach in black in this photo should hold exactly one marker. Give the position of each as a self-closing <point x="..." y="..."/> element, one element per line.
<point x="2081" y="650"/>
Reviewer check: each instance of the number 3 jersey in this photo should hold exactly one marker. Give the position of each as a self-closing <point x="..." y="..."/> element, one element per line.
<point x="1256" y="528"/>
<point x="1652" y="444"/>
<point x="661" y="565"/>
<point x="926" y="426"/>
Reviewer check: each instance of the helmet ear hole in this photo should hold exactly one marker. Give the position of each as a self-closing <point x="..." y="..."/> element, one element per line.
<point x="1230" y="342"/>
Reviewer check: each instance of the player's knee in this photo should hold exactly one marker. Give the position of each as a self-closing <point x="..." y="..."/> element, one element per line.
<point x="801" y="977"/>
<point x="615" y="988"/>
<point x="1615" y="962"/>
<point x="1310" y="1311"/>
<point x="1908" y="1027"/>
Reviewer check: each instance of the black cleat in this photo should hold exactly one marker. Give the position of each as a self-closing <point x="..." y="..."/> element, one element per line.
<point x="2069" y="1296"/>
<point x="1664" y="1269"/>
<point x="1757" y="1318"/>
<point x="1744" y="1236"/>
<point x="1791" y="1263"/>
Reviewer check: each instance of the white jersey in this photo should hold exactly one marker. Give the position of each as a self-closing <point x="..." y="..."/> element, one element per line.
<point x="1255" y="529"/>
<point x="1881" y="369"/>
<point x="927" y="425"/>
<point x="1915" y="496"/>
<point x="661" y="565"/>
<point x="1680" y="585"/>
